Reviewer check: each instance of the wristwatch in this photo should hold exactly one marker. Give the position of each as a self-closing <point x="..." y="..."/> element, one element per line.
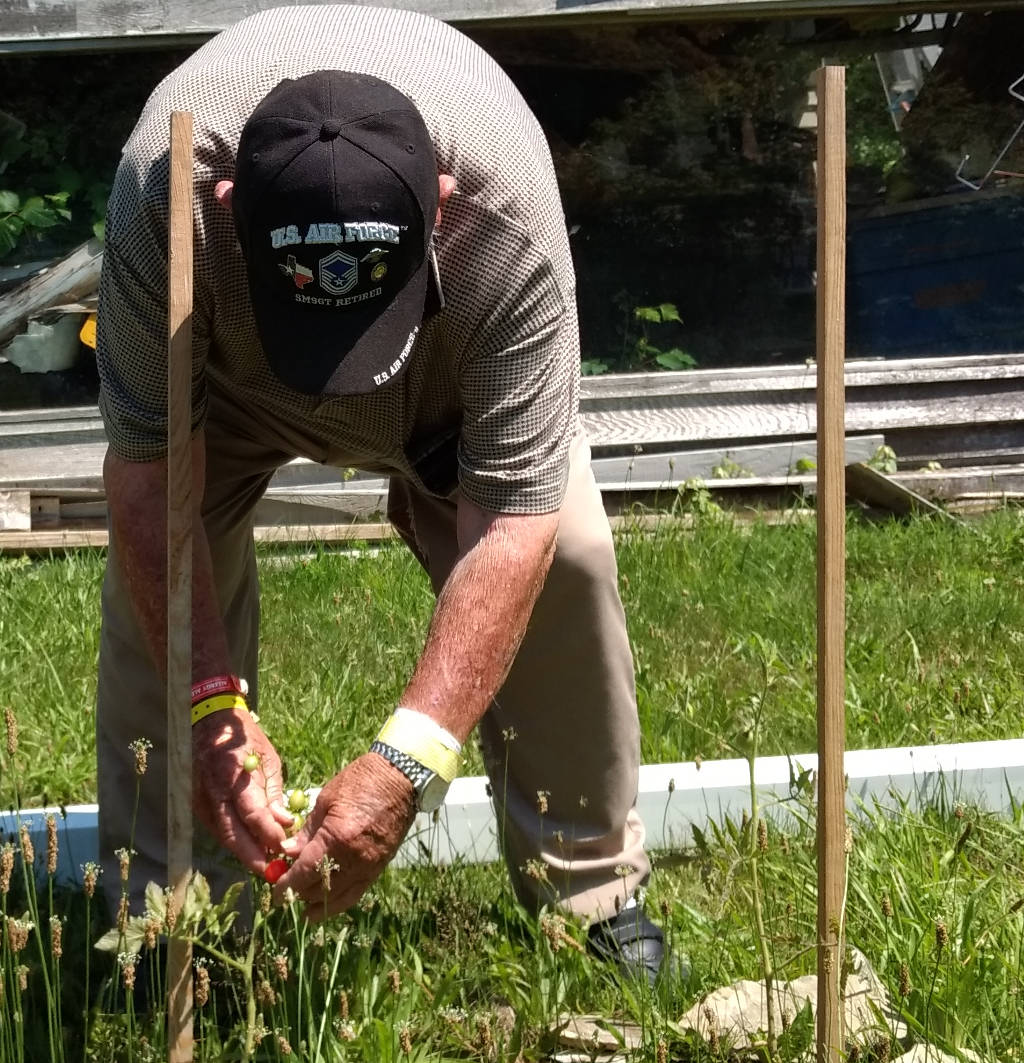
<point x="429" y="787"/>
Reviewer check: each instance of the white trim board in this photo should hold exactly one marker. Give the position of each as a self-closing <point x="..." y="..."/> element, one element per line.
<point x="672" y="798"/>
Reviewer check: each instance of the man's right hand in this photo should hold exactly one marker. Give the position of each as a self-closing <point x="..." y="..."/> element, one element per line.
<point x="243" y="809"/>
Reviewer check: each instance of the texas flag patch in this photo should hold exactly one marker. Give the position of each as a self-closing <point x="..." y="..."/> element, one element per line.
<point x="301" y="275"/>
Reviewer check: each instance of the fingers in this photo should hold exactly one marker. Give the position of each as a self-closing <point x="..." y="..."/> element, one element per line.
<point x="241" y="819"/>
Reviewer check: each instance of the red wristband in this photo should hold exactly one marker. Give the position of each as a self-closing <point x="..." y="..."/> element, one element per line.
<point x="218" y="684"/>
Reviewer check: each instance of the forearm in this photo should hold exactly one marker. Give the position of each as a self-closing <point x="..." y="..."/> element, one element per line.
<point x="137" y="500"/>
<point x="481" y="616"/>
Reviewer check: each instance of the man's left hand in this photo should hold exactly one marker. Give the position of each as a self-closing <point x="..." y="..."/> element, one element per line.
<point x="359" y="821"/>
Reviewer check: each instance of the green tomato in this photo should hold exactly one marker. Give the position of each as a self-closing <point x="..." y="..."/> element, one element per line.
<point x="297" y="823"/>
<point x="297" y="801"/>
<point x="252" y="762"/>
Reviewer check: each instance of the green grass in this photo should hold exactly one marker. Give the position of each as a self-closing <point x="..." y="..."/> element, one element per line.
<point x="935" y="635"/>
<point x="442" y="964"/>
<point x="444" y="960"/>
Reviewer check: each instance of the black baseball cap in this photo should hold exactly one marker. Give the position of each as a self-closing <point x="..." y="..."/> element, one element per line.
<point x="336" y="193"/>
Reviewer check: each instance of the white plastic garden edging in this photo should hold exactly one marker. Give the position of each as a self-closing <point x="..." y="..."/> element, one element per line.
<point x="672" y="799"/>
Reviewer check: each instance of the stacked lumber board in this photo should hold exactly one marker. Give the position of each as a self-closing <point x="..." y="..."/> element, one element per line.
<point x="748" y="433"/>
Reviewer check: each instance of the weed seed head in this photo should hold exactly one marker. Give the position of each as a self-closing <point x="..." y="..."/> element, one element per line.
<point x="22" y="977"/>
<point x="283" y="1046"/>
<point x="127" y="963"/>
<point x="90" y="873"/>
<point x="509" y="734"/>
<point x="904" y="986"/>
<point x="56" y="934"/>
<point x="552" y="926"/>
<point x="536" y="870"/>
<point x="151" y="931"/>
<point x="51" y="844"/>
<point x="201" y="990"/>
<point x="941" y="936"/>
<point x="281" y="965"/>
<point x="141" y="747"/>
<point x="762" y="836"/>
<point x="343" y="1004"/>
<point x="11" y="726"/>
<point x="484" y="1036"/>
<point x="661" y="1052"/>
<point x="345" y="1030"/>
<point x="28" y="853"/>
<point x="124" y="862"/>
<point x="171" y="915"/>
<point x="405" y="1039"/>
<point x="542" y="802"/>
<point x="122" y="913"/>
<point x="265" y="899"/>
<point x="6" y="867"/>
<point x="265" y="995"/>
<point x="624" y="870"/>
<point x="394" y="980"/>
<point x="18" y="931"/>
<point x="886" y="906"/>
<point x="325" y="867"/>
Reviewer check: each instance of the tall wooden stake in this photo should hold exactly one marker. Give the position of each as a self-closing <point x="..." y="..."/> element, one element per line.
<point x="179" y="576"/>
<point x="831" y="311"/>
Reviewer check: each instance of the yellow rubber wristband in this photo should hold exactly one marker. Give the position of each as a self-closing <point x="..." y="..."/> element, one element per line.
<point x="402" y="734"/>
<point x="202" y="709"/>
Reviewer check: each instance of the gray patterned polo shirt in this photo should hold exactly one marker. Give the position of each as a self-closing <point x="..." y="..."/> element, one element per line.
<point x="496" y="371"/>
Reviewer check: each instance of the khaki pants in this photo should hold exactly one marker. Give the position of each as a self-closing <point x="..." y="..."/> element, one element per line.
<point x="569" y="699"/>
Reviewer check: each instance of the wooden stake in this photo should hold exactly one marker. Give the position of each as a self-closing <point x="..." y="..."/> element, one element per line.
<point x="179" y="576"/>
<point x="831" y="311"/>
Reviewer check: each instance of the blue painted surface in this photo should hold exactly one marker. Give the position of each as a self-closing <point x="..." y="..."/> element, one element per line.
<point x="945" y="279"/>
<point x="76" y="837"/>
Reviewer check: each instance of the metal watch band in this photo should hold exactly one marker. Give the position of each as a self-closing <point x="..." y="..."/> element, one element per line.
<point x="410" y="767"/>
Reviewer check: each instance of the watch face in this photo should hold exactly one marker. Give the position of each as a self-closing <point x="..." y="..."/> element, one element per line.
<point x="431" y="793"/>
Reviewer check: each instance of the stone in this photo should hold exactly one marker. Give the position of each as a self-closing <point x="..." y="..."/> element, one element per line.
<point x="739" y="1015"/>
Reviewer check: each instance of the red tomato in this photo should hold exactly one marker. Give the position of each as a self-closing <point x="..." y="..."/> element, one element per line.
<point x="275" y="869"/>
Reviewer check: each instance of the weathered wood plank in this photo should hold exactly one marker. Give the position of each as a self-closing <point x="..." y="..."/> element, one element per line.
<point x="681" y="418"/>
<point x="884" y="492"/>
<point x="864" y="373"/>
<point x="653" y="390"/>
<point x="73" y="278"/>
<point x="71" y="470"/>
<point x="27" y="25"/>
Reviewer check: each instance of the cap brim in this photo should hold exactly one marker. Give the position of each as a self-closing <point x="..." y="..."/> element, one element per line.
<point x="301" y="343"/>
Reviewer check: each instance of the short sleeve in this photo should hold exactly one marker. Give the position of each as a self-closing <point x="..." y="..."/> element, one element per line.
<point x="131" y="337"/>
<point x="519" y="386"/>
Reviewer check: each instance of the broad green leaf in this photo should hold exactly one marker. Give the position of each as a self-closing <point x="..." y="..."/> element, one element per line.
<point x="9" y="201"/>
<point x="669" y="312"/>
<point x="36" y="213"/>
<point x="647" y="313"/>
<point x="675" y="359"/>
<point x="8" y="235"/>
<point x="99" y="230"/>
